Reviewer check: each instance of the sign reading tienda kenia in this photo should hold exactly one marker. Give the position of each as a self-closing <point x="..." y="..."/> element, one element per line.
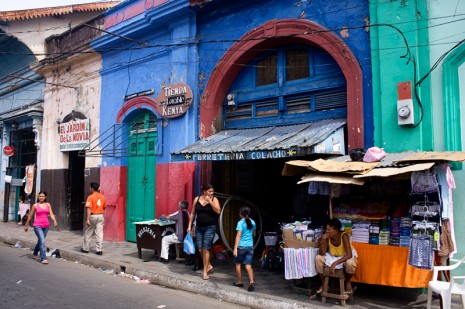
<point x="174" y="100"/>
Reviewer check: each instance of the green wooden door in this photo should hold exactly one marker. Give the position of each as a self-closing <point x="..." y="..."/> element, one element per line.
<point x="140" y="204"/>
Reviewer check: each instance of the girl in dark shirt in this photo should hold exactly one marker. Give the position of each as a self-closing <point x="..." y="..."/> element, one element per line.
<point x="205" y="212"/>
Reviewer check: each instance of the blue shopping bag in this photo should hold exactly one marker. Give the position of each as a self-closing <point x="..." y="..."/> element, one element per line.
<point x="189" y="247"/>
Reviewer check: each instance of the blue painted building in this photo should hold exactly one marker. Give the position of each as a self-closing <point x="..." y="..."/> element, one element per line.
<point x="289" y="80"/>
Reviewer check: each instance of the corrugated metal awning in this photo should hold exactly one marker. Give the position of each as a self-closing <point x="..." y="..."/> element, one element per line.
<point x="323" y="137"/>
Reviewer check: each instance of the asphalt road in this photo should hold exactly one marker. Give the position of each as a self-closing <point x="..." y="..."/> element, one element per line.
<point x="26" y="283"/>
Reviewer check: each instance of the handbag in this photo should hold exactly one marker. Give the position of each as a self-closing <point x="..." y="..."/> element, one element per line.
<point x="189" y="247"/>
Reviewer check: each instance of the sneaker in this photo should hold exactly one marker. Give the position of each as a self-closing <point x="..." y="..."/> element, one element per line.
<point x="84" y="251"/>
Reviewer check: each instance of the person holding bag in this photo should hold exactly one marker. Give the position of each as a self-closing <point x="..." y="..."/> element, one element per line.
<point x="205" y="211"/>
<point x="42" y="210"/>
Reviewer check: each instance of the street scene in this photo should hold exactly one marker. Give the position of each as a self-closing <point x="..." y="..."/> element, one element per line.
<point x="264" y="154"/>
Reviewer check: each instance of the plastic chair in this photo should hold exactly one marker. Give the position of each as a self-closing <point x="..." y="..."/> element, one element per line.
<point x="446" y="289"/>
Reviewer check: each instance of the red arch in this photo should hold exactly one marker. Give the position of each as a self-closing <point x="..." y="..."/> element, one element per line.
<point x="136" y="103"/>
<point x="271" y="34"/>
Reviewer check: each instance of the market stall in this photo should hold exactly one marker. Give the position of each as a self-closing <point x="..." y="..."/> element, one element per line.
<point x="398" y="211"/>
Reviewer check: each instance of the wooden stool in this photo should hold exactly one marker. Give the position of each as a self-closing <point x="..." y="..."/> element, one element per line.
<point x="338" y="273"/>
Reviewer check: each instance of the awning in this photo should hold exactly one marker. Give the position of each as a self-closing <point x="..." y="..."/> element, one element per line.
<point x="332" y="178"/>
<point x="320" y="137"/>
<point x="344" y="171"/>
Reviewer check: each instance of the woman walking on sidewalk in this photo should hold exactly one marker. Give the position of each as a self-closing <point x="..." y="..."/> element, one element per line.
<point x="42" y="210"/>
<point x="243" y="247"/>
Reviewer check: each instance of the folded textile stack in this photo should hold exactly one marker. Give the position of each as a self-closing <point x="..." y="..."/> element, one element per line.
<point x="394" y="237"/>
<point x="360" y="231"/>
<point x="404" y="231"/>
<point x="374" y="233"/>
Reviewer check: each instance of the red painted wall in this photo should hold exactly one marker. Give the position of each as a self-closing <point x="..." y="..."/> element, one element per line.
<point x="113" y="186"/>
<point x="175" y="182"/>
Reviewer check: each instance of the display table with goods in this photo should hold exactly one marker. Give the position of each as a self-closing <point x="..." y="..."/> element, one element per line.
<point x="300" y="250"/>
<point x="150" y="233"/>
<point x="398" y="212"/>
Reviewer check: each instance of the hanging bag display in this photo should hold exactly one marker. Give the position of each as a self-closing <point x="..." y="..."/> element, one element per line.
<point x="189" y="246"/>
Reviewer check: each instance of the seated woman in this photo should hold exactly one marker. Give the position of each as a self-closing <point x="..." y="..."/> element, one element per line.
<point x="336" y="252"/>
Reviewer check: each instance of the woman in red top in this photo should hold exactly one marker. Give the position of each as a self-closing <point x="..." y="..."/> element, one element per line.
<point x="42" y="211"/>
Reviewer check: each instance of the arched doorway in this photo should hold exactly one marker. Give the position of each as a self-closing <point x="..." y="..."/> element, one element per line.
<point x="142" y="141"/>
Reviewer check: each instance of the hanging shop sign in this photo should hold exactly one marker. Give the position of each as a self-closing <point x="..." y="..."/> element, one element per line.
<point x="174" y="100"/>
<point x="29" y="179"/>
<point x="74" y="135"/>
<point x="8" y="151"/>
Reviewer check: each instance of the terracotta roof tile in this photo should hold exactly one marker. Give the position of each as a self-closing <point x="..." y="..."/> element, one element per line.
<point x="55" y="11"/>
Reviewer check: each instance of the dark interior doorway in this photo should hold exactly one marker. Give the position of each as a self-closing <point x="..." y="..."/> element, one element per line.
<point x="75" y="190"/>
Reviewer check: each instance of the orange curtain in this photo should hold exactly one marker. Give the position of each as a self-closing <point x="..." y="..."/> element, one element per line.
<point x="388" y="265"/>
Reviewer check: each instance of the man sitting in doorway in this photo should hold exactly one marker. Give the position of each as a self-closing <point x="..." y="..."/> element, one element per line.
<point x="182" y="219"/>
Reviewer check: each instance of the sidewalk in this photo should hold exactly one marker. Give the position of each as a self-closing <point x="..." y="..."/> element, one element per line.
<point x="272" y="290"/>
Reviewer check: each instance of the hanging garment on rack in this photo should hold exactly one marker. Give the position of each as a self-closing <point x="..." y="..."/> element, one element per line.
<point x="430" y="229"/>
<point x="447" y="183"/>
<point x="447" y="245"/>
<point x="421" y="254"/>
<point x="319" y="187"/>
<point x="424" y="182"/>
<point x="426" y="211"/>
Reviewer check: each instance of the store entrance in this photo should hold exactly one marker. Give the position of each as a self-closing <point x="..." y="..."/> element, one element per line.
<point x="277" y="198"/>
<point x="75" y="190"/>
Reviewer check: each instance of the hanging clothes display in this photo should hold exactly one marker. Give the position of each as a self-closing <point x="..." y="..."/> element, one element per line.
<point x="421" y="254"/>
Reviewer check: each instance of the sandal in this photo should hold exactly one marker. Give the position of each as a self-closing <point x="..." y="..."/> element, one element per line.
<point x="205" y="277"/>
<point x="349" y="292"/>
<point x="44" y="262"/>
<point x="239" y="285"/>
<point x="251" y="287"/>
<point x="36" y="257"/>
<point x="317" y="293"/>
<point x="210" y="270"/>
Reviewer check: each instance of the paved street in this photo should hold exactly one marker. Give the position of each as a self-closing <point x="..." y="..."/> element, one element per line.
<point x="62" y="284"/>
<point x="272" y="290"/>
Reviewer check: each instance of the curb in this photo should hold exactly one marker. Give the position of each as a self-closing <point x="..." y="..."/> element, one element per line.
<point x="209" y="289"/>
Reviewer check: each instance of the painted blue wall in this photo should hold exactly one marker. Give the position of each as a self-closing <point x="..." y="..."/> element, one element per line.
<point x="221" y="23"/>
<point x="216" y="26"/>
<point x="133" y="68"/>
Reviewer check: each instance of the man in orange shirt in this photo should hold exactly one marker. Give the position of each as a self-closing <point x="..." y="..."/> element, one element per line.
<point x="95" y="207"/>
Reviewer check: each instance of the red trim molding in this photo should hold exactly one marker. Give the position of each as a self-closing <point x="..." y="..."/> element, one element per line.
<point x="272" y="34"/>
<point x="136" y="103"/>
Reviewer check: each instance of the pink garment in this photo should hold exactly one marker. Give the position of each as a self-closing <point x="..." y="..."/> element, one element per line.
<point x="41" y="219"/>
<point x="23" y="208"/>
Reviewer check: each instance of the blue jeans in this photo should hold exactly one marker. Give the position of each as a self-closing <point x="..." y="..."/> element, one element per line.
<point x="41" y="233"/>
<point x="244" y="255"/>
<point x="204" y="236"/>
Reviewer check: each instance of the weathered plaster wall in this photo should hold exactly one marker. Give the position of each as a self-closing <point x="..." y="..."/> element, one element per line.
<point x="83" y="74"/>
<point x="32" y="32"/>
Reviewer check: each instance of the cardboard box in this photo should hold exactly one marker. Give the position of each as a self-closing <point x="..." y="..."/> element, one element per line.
<point x="295" y="243"/>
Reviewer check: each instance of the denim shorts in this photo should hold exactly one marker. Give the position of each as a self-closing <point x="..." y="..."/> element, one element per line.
<point x="204" y="236"/>
<point x="244" y="255"/>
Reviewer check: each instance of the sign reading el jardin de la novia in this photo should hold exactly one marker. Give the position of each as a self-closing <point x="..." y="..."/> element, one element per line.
<point x="74" y="135"/>
<point x="174" y="100"/>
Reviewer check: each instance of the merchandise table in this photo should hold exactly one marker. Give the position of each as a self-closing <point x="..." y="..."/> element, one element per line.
<point x="150" y="233"/>
<point x="388" y="265"/>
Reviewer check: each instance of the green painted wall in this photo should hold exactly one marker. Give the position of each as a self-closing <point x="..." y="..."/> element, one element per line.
<point x="391" y="65"/>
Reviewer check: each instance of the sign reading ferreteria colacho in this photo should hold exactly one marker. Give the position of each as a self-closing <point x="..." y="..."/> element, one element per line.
<point x="174" y="100"/>
<point x="74" y="135"/>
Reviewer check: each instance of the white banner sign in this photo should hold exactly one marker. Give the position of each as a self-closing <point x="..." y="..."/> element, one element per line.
<point x="74" y="135"/>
